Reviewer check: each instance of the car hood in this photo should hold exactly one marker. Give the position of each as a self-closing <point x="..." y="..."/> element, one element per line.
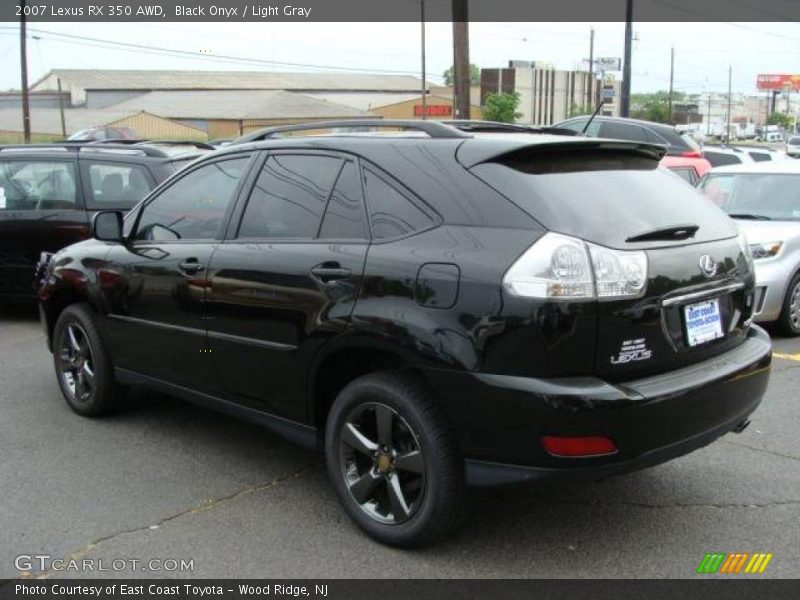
<point x="760" y="232"/>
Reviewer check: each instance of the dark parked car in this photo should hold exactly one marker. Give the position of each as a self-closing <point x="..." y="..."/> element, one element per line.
<point x="48" y="194"/>
<point x="431" y="311"/>
<point x="635" y="130"/>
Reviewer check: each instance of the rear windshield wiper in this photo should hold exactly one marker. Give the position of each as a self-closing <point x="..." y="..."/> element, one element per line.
<point x="678" y="232"/>
<point x="751" y="216"/>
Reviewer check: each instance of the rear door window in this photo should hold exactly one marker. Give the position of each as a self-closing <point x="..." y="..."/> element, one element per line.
<point x="623" y="131"/>
<point x="289" y="196"/>
<point x="392" y="212"/>
<point x="38" y="185"/>
<point x="345" y="216"/>
<point x="116" y="185"/>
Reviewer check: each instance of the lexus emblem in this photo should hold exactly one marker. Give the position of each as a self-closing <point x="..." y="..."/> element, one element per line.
<point x="708" y="266"/>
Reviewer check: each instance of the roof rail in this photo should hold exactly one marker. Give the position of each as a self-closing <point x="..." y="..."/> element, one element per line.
<point x="85" y="147"/>
<point x="434" y="129"/>
<point x="500" y="127"/>
<point x="199" y="145"/>
<point x="115" y="141"/>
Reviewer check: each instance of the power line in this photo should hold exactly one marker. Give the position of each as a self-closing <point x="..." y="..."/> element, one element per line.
<point x="139" y="48"/>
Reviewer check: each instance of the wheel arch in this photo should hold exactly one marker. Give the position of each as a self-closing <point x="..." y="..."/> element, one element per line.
<point x="345" y="362"/>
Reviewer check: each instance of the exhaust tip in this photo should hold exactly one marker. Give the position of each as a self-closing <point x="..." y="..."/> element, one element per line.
<point x="742" y="426"/>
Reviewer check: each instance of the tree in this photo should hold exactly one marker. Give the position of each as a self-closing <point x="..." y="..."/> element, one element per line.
<point x="781" y="119"/>
<point x="474" y="76"/>
<point x="576" y="110"/>
<point x="502" y="107"/>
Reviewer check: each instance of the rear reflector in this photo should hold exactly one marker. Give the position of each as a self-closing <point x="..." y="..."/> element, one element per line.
<point x="578" y="446"/>
<point x="692" y="154"/>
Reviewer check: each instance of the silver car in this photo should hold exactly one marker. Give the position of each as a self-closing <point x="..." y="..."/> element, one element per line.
<point x="764" y="199"/>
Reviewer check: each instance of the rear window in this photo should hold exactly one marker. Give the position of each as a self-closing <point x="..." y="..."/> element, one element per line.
<point x="794" y="141"/>
<point x="606" y="199"/>
<point x="756" y="196"/>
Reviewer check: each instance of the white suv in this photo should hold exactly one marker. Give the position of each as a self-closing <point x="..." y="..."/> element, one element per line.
<point x="793" y="146"/>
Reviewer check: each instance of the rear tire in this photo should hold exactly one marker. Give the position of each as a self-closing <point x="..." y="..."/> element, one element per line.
<point x="393" y="460"/>
<point x="83" y="364"/>
<point x="789" y="321"/>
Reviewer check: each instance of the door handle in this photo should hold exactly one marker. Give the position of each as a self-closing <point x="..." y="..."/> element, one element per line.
<point x="327" y="272"/>
<point x="190" y="266"/>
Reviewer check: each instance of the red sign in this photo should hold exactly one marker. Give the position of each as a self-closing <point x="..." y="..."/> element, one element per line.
<point x="778" y="82"/>
<point x="434" y="110"/>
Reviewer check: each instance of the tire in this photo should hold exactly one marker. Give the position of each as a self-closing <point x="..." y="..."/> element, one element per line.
<point x="789" y="321"/>
<point x="83" y="365"/>
<point x="404" y="499"/>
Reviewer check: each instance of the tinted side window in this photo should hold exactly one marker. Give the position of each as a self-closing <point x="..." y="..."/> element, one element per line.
<point x="686" y="174"/>
<point x="193" y="208"/>
<point x="37" y="185"/>
<point x="623" y="131"/>
<point x="718" y="159"/>
<point x="289" y="196"/>
<point x="117" y="185"/>
<point x="392" y="213"/>
<point x="760" y="156"/>
<point x="344" y="217"/>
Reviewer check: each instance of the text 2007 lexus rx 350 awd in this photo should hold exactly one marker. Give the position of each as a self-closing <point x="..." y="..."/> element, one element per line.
<point x="432" y="311"/>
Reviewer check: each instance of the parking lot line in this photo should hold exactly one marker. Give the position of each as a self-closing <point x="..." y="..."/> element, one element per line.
<point x="787" y="356"/>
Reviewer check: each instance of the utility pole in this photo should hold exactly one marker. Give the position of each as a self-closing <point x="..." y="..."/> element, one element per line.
<point x="728" y="132"/>
<point x="23" y="56"/>
<point x="61" y="109"/>
<point x="625" y="100"/>
<point x="590" y="96"/>
<point x="671" y="79"/>
<point x="461" y="82"/>
<point x="708" y="124"/>
<point x="424" y="76"/>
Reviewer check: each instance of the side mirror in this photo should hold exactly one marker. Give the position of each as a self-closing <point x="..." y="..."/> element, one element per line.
<point x="107" y="226"/>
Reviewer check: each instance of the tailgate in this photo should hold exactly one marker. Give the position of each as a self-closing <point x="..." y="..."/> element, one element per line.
<point x="687" y="315"/>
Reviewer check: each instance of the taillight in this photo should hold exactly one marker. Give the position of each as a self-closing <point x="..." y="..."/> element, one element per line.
<point x="575" y="447"/>
<point x="692" y="154"/>
<point x="559" y="266"/>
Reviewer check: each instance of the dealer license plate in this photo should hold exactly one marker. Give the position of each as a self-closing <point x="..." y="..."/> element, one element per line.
<point x="703" y="322"/>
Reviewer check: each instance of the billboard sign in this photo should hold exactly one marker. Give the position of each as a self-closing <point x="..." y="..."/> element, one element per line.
<point x="778" y="82"/>
<point x="608" y="64"/>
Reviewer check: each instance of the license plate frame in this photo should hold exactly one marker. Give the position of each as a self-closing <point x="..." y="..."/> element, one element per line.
<point x="702" y="322"/>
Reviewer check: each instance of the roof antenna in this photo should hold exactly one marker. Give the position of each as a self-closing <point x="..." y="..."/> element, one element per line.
<point x="594" y="114"/>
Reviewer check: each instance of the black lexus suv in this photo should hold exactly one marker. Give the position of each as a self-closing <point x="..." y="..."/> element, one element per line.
<point x="432" y="309"/>
<point x="49" y="192"/>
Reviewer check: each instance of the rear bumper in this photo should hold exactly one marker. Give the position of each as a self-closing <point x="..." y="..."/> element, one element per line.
<point x="499" y="420"/>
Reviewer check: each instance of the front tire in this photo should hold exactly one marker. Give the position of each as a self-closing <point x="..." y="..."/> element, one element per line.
<point x="789" y="320"/>
<point x="393" y="460"/>
<point x="83" y="365"/>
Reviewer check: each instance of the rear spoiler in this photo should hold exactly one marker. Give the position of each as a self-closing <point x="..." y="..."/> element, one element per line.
<point x="503" y="151"/>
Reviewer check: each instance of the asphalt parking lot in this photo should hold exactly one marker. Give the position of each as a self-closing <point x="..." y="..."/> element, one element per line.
<point x="167" y="480"/>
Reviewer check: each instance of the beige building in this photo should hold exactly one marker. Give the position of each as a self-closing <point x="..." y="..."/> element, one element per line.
<point x="46" y="124"/>
<point x="547" y="95"/>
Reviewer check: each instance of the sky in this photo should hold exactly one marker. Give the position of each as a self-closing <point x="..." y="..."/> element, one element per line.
<point x="703" y="51"/>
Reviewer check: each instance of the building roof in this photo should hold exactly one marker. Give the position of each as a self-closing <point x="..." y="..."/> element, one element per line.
<point x="364" y="100"/>
<point x="48" y="120"/>
<point x="96" y="79"/>
<point x="236" y="104"/>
